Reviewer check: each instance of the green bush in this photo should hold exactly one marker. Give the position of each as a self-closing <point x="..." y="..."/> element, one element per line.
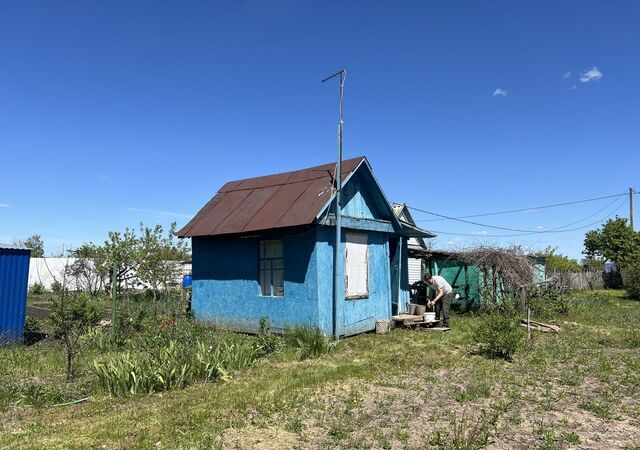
<point x="72" y="315"/>
<point x="266" y="342"/>
<point x="36" y="289"/>
<point x="32" y="325"/>
<point x="499" y="334"/>
<point x="308" y="342"/>
<point x="631" y="278"/>
<point x="546" y="302"/>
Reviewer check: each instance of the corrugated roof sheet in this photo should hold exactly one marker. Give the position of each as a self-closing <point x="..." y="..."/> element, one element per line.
<point x="272" y="201"/>
<point x="13" y="247"/>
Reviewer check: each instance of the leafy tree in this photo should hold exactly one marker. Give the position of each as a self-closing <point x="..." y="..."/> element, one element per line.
<point x="631" y="278"/>
<point x="35" y="243"/>
<point x="83" y="269"/>
<point x="72" y="314"/>
<point x="616" y="241"/>
<point x="121" y="251"/>
<point x="557" y="262"/>
<point x="159" y="258"/>
<point x="593" y="264"/>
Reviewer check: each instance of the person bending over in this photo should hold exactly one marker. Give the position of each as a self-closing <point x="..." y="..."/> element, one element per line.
<point x="442" y="301"/>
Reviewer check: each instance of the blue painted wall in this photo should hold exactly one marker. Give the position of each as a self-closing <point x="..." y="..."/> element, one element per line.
<point x="361" y="199"/>
<point x="226" y="290"/>
<point x="14" y="277"/>
<point x="355" y="316"/>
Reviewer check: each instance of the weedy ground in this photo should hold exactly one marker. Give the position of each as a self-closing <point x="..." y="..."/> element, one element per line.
<point x="403" y="390"/>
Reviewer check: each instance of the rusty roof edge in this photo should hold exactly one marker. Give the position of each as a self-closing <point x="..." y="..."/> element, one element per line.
<point x="290" y="173"/>
<point x="184" y="231"/>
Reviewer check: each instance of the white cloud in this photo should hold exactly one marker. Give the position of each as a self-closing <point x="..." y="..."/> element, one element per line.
<point x="162" y="213"/>
<point x="591" y="75"/>
<point x="566" y="75"/>
<point x="450" y="242"/>
<point x="500" y="93"/>
<point x="4" y="205"/>
<point x="573" y="87"/>
<point x="481" y="233"/>
<point x="539" y="227"/>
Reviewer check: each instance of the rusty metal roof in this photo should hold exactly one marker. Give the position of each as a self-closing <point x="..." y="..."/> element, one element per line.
<point x="273" y="201"/>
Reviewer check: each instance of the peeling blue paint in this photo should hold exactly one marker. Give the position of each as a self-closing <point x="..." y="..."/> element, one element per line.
<point x="226" y="289"/>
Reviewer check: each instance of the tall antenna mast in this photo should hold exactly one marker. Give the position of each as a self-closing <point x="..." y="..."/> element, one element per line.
<point x="342" y="73"/>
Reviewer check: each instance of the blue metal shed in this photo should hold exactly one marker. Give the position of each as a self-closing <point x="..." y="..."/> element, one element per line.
<point x="14" y="278"/>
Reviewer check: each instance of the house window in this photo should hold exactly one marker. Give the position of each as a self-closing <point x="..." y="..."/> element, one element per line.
<point x="271" y="269"/>
<point x="356" y="266"/>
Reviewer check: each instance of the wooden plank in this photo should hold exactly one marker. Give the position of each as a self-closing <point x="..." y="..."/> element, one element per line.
<point x="403" y="317"/>
<point x="547" y="328"/>
<point x="438" y="329"/>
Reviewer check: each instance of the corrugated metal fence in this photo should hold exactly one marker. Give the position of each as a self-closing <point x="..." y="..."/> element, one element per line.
<point x="14" y="273"/>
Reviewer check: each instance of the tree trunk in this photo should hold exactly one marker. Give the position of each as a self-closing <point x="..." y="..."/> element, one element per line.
<point x="69" y="364"/>
<point x="155" y="302"/>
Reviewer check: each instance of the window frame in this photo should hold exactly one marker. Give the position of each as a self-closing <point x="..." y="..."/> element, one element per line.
<point x="271" y="270"/>
<point x="367" y="292"/>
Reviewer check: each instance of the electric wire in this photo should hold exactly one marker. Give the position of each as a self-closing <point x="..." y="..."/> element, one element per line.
<point x="484" y="225"/>
<point x="487" y="236"/>
<point x="534" y="208"/>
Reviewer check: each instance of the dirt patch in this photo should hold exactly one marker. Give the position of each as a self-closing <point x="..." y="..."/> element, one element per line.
<point x="412" y="411"/>
<point x="251" y="437"/>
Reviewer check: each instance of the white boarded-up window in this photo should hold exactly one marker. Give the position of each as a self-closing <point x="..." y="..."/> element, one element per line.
<point x="356" y="266"/>
<point x="271" y="268"/>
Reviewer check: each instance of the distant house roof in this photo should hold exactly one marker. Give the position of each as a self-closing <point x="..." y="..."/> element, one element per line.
<point x="12" y="247"/>
<point x="409" y="225"/>
<point x="273" y="201"/>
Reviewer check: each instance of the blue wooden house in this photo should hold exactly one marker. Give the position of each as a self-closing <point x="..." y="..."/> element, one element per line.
<point x="263" y="247"/>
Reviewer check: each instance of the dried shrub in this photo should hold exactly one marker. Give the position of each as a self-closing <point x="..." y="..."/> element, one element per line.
<point x="510" y="269"/>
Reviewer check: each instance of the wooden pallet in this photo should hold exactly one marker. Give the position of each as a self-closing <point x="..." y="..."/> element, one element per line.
<point x="439" y="329"/>
<point x="412" y="320"/>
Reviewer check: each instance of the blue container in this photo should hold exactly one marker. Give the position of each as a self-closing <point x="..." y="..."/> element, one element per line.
<point x="186" y="281"/>
<point x="14" y="279"/>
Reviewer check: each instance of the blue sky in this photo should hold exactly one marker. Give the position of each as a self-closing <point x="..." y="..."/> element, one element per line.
<point x="112" y="113"/>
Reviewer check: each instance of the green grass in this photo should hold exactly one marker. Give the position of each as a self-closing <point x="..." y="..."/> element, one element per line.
<point x="405" y="389"/>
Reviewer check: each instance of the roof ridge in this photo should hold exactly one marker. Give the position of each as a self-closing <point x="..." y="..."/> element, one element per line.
<point x="290" y="173"/>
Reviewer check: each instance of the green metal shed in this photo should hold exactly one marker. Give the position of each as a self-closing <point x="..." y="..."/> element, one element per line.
<point x="469" y="282"/>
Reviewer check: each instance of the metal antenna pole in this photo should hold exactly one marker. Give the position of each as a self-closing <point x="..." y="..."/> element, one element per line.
<point x="631" y="208"/>
<point x="338" y="185"/>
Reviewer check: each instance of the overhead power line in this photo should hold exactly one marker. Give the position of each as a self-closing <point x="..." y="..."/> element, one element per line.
<point x="533" y="208"/>
<point x="554" y="230"/>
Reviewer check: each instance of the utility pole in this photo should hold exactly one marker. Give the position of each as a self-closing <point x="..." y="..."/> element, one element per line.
<point x="338" y="186"/>
<point x="631" y="208"/>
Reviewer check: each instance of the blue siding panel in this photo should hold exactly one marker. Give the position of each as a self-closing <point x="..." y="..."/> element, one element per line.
<point x="14" y="277"/>
<point x="355" y="316"/>
<point x="226" y="290"/>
